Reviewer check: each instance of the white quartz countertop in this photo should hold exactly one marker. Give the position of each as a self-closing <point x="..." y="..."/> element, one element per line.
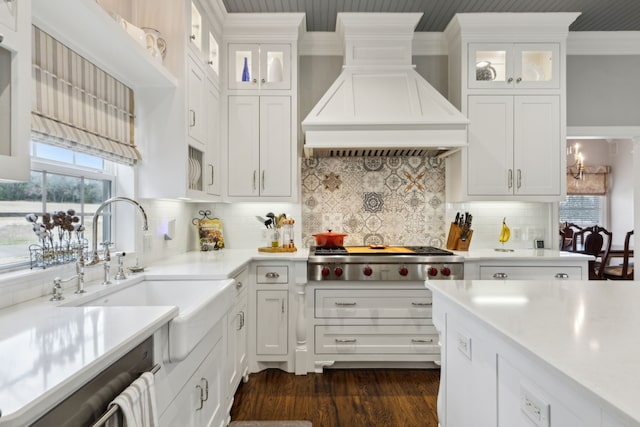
<point x="46" y="352"/>
<point x="587" y="331"/>
<point x="48" y="349"/>
<point x="521" y="255"/>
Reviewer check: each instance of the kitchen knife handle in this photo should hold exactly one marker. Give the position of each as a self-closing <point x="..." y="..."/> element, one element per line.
<point x="510" y="178"/>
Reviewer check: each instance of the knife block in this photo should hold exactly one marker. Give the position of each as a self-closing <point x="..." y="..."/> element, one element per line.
<point x="454" y="241"/>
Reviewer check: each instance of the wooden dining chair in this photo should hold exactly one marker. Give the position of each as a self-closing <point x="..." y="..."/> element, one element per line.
<point x="623" y="271"/>
<point x="591" y="241"/>
<point x="566" y="233"/>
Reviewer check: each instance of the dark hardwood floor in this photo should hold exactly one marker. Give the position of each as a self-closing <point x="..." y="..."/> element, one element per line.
<point x="342" y="398"/>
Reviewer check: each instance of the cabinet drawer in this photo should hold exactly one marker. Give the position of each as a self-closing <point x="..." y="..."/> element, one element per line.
<point x="400" y="339"/>
<point x="272" y="274"/>
<point x="378" y="304"/>
<point x="530" y="272"/>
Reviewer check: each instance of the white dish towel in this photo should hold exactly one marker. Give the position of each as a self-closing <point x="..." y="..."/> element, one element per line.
<point x="138" y="403"/>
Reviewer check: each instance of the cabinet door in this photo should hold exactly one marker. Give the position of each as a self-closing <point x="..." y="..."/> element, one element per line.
<point x="275" y="66"/>
<point x="275" y="146"/>
<point x="211" y="385"/>
<point x="243" y="66"/>
<point x="536" y="65"/>
<point x="490" y="151"/>
<point x="213" y="185"/>
<point x="537" y="148"/>
<point x="237" y="343"/>
<point x="197" y="120"/>
<point x="513" y="66"/>
<point x="244" y="145"/>
<point x="271" y="323"/>
<point x="196" y="25"/>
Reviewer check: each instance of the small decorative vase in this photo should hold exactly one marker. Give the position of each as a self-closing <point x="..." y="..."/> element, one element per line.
<point x="245" y="71"/>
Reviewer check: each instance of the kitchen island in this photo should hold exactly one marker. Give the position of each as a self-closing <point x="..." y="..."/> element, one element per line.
<point x="543" y="353"/>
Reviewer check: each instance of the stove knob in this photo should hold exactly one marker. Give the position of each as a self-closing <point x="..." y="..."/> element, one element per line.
<point x="404" y="271"/>
<point x="367" y="271"/>
<point x="338" y="271"/>
<point x="446" y="271"/>
<point x="432" y="271"/>
<point x="325" y="271"/>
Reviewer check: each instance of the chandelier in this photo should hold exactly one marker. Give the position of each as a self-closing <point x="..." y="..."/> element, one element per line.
<point x="578" y="158"/>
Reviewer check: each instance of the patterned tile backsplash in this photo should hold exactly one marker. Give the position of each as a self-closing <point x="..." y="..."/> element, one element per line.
<point x="376" y="200"/>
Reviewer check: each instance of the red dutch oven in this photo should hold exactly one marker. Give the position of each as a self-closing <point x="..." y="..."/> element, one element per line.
<point x="330" y="239"/>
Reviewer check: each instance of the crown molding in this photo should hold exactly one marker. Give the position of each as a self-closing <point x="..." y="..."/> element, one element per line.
<point x="435" y="43"/>
<point x="603" y="43"/>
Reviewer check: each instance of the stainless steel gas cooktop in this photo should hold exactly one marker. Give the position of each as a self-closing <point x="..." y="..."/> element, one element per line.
<point x="384" y="263"/>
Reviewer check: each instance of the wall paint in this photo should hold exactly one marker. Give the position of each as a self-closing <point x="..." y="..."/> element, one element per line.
<point x="601" y="90"/>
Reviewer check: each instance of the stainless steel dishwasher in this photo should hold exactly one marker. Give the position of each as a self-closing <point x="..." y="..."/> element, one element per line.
<point x="87" y="404"/>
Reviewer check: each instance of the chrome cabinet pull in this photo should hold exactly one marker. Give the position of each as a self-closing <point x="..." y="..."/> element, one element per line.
<point x="238" y="285"/>
<point x="271" y="275"/>
<point x="561" y="276"/>
<point x="344" y="304"/>
<point x="263" y="81"/>
<point x="500" y="275"/>
<point x="211" y="175"/>
<point x="192" y="114"/>
<point x="192" y="37"/>
<point x="254" y="180"/>
<point x="262" y="179"/>
<point x="241" y="319"/>
<point x="420" y="304"/>
<point x="519" y="79"/>
<point x="345" y="341"/>
<point x="283" y="306"/>
<point x="510" y="80"/>
<point x="519" y="178"/>
<point x="201" y="397"/>
<point x="206" y="388"/>
<point x="510" y="178"/>
<point x="422" y="341"/>
<point x="255" y="81"/>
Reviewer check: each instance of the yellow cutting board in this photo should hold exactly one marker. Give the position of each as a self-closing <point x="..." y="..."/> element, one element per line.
<point x="386" y="250"/>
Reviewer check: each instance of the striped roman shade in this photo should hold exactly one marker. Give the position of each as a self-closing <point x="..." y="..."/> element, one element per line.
<point x="77" y="105"/>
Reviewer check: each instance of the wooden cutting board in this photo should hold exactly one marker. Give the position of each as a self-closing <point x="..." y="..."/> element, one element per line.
<point x="386" y="250"/>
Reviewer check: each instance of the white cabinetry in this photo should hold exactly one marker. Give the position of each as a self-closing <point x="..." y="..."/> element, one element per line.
<point x="371" y="323"/>
<point x="192" y="392"/>
<point x="268" y="66"/>
<point x="508" y="74"/>
<point x="180" y="147"/>
<point x="15" y="89"/>
<point x="237" y="357"/>
<point x="260" y="146"/>
<point x="511" y="142"/>
<point x="271" y="324"/>
<point x="523" y="268"/>
<point x="262" y="107"/>
<point x="513" y="65"/>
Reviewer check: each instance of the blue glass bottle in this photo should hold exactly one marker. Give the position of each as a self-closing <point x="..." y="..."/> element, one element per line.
<point x="245" y="71"/>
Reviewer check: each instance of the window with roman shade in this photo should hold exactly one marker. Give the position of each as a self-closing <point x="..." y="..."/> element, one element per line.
<point x="593" y="183"/>
<point x="77" y="105"/>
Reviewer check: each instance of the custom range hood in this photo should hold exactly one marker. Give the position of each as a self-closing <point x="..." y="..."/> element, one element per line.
<point x="379" y="105"/>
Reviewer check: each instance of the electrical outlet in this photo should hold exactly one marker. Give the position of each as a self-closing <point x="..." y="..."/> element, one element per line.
<point x="517" y="233"/>
<point x="534" y="407"/>
<point x="464" y="345"/>
<point x="147" y="242"/>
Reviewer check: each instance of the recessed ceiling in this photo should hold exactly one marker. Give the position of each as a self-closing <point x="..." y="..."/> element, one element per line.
<point x="597" y="15"/>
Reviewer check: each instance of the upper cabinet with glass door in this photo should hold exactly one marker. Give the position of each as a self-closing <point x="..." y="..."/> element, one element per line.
<point x="202" y="40"/>
<point x="259" y="66"/>
<point x="514" y="65"/>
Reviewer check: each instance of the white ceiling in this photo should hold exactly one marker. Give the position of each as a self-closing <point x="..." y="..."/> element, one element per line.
<point x="597" y="15"/>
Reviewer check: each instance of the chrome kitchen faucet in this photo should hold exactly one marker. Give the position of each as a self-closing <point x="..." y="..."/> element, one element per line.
<point x="95" y="258"/>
